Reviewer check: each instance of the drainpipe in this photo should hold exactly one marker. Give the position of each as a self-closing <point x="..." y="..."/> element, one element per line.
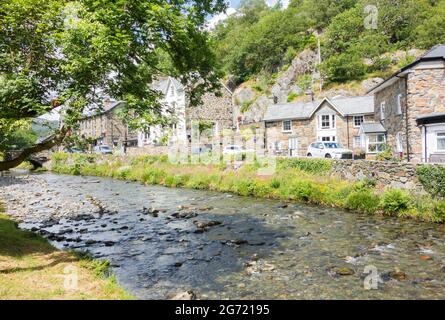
<point x="408" y="155"/>
<point x="347" y="126"/>
<point x="425" y="130"/>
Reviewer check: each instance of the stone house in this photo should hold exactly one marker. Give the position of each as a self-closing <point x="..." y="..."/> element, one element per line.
<point x="105" y="128"/>
<point x="215" y="111"/>
<point x="410" y="110"/>
<point x="290" y="128"/>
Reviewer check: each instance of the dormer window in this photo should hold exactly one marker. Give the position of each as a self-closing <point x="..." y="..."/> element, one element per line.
<point x="326" y="122"/>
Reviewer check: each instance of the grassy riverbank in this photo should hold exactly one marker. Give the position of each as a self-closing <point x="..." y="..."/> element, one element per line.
<point x="30" y="268"/>
<point x="302" y="180"/>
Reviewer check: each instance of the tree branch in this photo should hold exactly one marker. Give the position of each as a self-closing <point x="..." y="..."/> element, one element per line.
<point x="42" y="146"/>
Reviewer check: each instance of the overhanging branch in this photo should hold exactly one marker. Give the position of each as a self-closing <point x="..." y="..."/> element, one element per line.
<point x="39" y="147"/>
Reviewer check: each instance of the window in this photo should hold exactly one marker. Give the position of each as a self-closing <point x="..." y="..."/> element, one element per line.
<point x="399" y="104"/>
<point x="327" y="139"/>
<point x="376" y="143"/>
<point x="326" y="122"/>
<point x="356" y="142"/>
<point x="358" y="120"/>
<point x="440" y="141"/>
<point x="382" y="111"/>
<point x="287" y="126"/>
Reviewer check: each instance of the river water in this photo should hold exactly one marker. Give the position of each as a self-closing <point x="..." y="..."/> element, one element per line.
<point x="261" y="249"/>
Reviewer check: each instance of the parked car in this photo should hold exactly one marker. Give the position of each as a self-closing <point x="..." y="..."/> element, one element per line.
<point x="74" y="150"/>
<point x="235" y="149"/>
<point x="328" y="150"/>
<point x="201" y="150"/>
<point x="102" y="150"/>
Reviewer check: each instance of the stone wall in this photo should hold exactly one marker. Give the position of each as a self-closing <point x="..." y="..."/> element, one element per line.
<point x="387" y="174"/>
<point x="214" y="108"/>
<point x="147" y="150"/>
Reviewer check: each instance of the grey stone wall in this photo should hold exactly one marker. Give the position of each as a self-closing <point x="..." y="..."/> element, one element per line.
<point x="386" y="174"/>
<point x="394" y="123"/>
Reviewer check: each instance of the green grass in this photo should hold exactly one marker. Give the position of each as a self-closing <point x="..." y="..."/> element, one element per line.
<point x="30" y="268"/>
<point x="302" y="180"/>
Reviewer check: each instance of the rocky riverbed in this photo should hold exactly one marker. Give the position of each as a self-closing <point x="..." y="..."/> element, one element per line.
<point x="167" y="242"/>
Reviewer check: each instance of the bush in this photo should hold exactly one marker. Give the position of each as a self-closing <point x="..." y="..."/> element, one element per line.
<point x="432" y="178"/>
<point x="395" y="201"/>
<point x="315" y="166"/>
<point x="363" y="201"/>
<point x="343" y="67"/>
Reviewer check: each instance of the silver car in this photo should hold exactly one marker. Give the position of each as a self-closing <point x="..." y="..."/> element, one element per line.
<point x="102" y="150"/>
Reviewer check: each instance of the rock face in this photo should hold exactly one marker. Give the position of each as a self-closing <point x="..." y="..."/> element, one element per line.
<point x="285" y="85"/>
<point x="302" y="64"/>
<point x="371" y="83"/>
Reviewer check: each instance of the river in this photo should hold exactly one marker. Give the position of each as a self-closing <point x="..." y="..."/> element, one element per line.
<point x="159" y="243"/>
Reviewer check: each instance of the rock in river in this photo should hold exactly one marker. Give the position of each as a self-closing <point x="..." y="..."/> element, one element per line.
<point x="340" y="271"/>
<point x="187" y="295"/>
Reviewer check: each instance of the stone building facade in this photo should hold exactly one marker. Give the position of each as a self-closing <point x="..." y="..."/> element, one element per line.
<point x="105" y="128"/>
<point x="214" y="109"/>
<point x="411" y="107"/>
<point x="291" y="128"/>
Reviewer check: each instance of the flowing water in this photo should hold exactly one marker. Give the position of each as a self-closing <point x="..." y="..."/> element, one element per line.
<point x="261" y="250"/>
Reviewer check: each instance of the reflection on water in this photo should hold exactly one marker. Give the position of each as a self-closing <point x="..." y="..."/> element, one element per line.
<point x="261" y="249"/>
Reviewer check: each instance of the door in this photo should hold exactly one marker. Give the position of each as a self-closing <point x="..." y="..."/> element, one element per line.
<point x="293" y="146"/>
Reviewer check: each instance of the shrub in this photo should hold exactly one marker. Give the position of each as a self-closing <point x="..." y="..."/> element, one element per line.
<point x="302" y="190"/>
<point x="395" y="201"/>
<point x="432" y="178"/>
<point x="363" y="201"/>
<point x="153" y="176"/>
<point x="315" y="166"/>
<point x="439" y="211"/>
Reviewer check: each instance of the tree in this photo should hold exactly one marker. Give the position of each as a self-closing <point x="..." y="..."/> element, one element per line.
<point x="73" y="53"/>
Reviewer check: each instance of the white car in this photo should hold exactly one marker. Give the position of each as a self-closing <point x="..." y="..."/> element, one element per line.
<point x="328" y="150"/>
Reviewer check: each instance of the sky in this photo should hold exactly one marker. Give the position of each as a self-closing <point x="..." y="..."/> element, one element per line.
<point x="233" y="4"/>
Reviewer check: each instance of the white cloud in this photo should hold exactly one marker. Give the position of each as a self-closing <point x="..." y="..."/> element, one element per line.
<point x="211" y="24"/>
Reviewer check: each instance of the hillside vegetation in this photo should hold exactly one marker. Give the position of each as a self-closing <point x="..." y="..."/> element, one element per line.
<point x="356" y="41"/>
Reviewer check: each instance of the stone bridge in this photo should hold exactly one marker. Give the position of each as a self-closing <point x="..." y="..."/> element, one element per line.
<point x="37" y="160"/>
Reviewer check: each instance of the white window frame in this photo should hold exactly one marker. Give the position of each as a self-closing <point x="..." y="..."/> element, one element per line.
<point x="437" y="140"/>
<point x="399" y="104"/>
<point x="355" y="117"/>
<point x="356" y="144"/>
<point x="283" y="126"/>
<point x="382" y="110"/>
<point x="331" y="120"/>
<point x="368" y="143"/>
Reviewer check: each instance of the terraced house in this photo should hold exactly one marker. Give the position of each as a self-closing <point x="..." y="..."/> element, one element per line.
<point x="410" y="110"/>
<point x="105" y="128"/>
<point x="290" y="128"/>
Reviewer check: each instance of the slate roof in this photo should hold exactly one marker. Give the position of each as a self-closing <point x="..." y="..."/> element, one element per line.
<point x="302" y="111"/>
<point x="372" y="127"/>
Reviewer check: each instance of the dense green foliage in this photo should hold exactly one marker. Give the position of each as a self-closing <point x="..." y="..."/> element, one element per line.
<point x="293" y="180"/>
<point x="261" y="39"/>
<point x="76" y="53"/>
<point x="432" y="178"/>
